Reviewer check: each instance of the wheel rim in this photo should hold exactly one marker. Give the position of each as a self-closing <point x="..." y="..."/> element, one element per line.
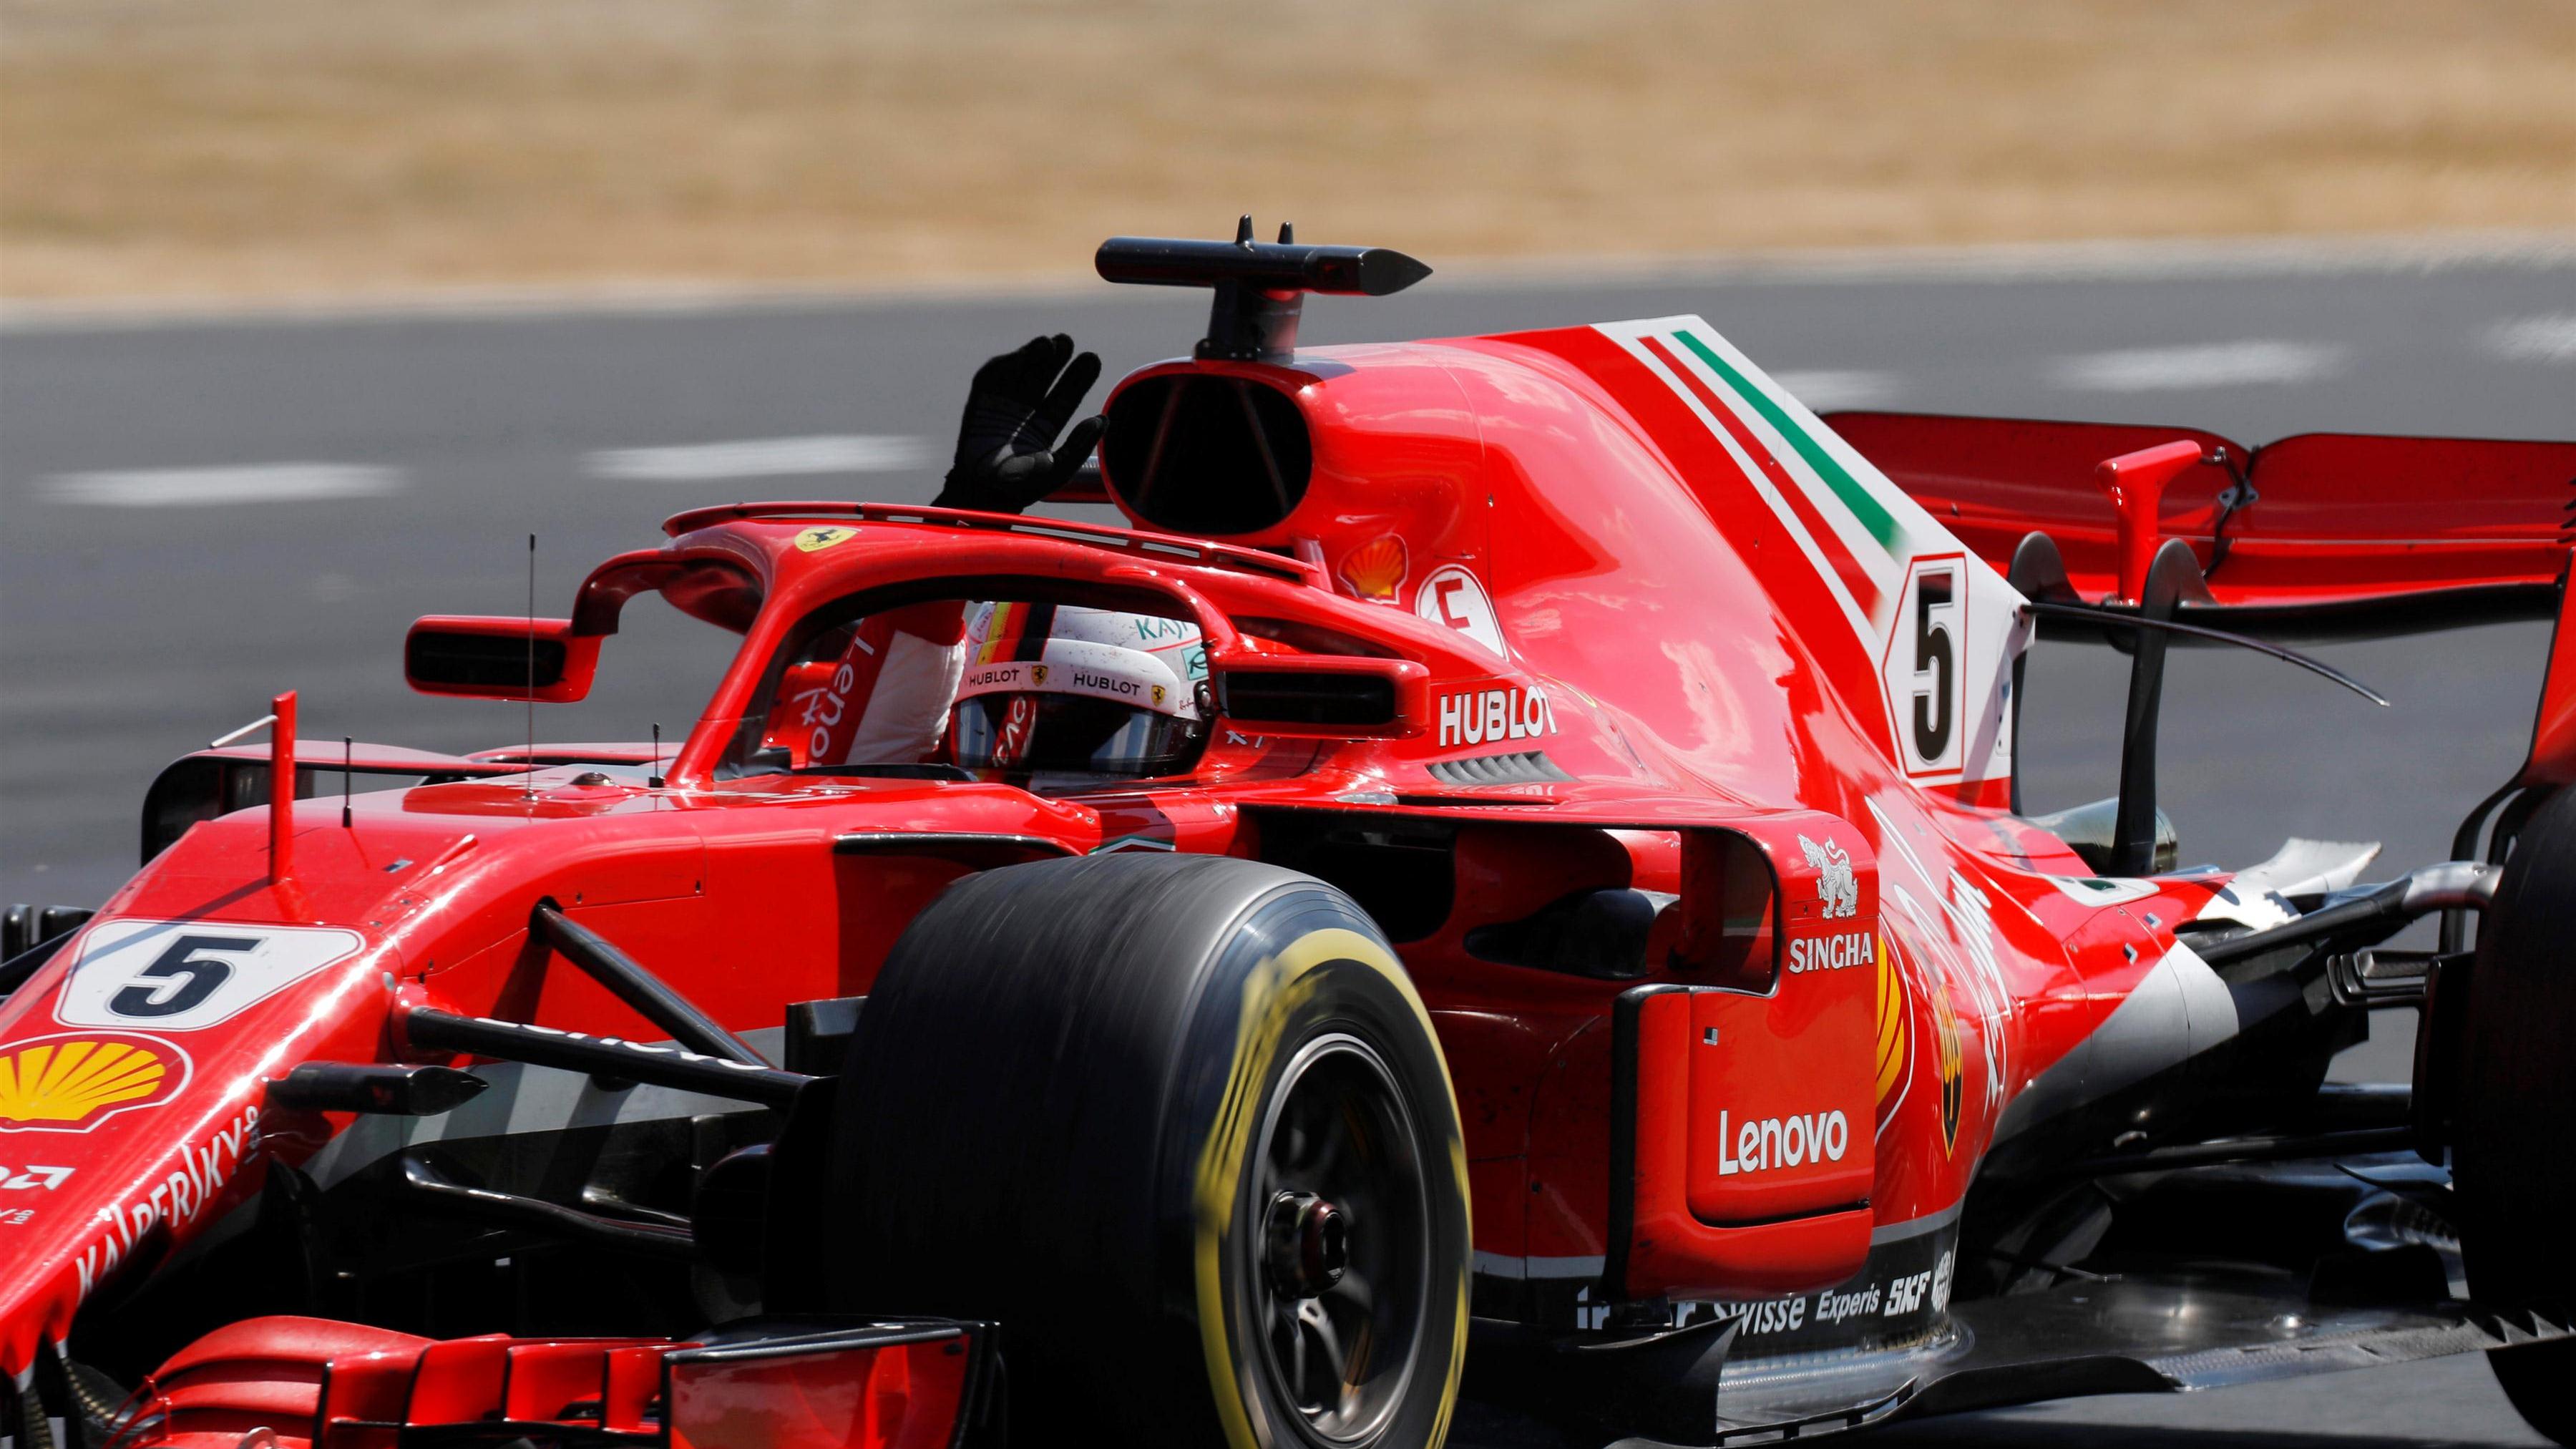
<point x="1340" y="1247"/>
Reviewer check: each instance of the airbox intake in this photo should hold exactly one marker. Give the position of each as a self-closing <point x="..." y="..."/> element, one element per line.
<point x="1207" y="454"/>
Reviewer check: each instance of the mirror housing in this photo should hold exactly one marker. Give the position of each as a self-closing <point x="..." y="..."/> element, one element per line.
<point x="473" y="656"/>
<point x="1344" y="697"/>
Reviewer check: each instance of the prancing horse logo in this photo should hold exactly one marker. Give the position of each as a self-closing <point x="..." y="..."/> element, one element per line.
<point x="1833" y="877"/>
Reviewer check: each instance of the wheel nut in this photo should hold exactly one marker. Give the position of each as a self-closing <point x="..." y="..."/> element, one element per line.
<point x="1324" y="1244"/>
<point x="1308" y="1244"/>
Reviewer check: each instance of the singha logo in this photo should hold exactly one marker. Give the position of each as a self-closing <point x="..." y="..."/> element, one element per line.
<point x="1833" y="877"/>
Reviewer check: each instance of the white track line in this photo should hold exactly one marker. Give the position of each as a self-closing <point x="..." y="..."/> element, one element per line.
<point x="2550" y="338"/>
<point x="1825" y="389"/>
<point x="2217" y="364"/>
<point x="760" y="458"/>
<point x="242" y="483"/>
<point x="2008" y="262"/>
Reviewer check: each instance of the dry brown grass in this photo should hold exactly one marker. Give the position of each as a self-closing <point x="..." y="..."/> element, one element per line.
<point x="303" y="146"/>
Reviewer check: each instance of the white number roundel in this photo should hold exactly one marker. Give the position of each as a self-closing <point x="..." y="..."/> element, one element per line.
<point x="183" y="975"/>
<point x="1451" y="596"/>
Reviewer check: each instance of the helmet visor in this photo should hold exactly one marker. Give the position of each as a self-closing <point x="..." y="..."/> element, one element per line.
<point x="1027" y="731"/>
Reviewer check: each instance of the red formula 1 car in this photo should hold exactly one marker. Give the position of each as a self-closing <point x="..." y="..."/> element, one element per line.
<point x="1508" y="872"/>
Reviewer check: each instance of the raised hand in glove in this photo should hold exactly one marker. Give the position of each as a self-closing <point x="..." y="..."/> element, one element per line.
<point x="1008" y="456"/>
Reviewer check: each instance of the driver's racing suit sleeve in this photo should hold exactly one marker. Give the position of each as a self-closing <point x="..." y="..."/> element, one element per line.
<point x="885" y="701"/>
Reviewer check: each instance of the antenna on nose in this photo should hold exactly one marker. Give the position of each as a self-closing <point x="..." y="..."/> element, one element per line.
<point x="531" y="776"/>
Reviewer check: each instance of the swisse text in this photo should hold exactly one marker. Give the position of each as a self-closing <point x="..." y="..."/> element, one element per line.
<point x="1778" y="1315"/>
<point x="1762" y="1144"/>
<point x="1831" y="953"/>
<point x="1488" y="715"/>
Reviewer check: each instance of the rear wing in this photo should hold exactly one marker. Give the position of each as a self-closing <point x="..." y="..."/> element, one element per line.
<point x="2319" y="535"/>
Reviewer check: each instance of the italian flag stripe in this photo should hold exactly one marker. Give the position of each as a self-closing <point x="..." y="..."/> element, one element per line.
<point x="1873" y="515"/>
<point x="1855" y="578"/>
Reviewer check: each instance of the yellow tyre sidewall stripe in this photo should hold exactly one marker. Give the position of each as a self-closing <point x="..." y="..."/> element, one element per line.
<point x="1274" y="992"/>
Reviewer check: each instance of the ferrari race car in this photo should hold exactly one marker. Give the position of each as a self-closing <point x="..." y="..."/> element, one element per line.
<point x="1504" y="885"/>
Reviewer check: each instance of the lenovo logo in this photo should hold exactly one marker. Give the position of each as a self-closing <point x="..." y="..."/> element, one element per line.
<point x="1762" y="1144"/>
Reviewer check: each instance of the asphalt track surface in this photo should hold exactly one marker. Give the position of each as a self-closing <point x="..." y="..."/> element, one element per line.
<point x="138" y="619"/>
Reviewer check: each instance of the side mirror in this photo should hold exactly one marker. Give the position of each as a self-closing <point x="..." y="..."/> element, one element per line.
<point x="476" y="657"/>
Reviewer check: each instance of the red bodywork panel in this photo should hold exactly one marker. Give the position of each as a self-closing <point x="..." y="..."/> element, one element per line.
<point x="1644" y="620"/>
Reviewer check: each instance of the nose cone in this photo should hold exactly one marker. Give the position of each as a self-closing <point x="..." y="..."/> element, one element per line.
<point x="133" y="1073"/>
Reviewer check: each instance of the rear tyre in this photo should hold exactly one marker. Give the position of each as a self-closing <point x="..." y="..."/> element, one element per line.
<point x="1180" y="1125"/>
<point x="2513" y="1158"/>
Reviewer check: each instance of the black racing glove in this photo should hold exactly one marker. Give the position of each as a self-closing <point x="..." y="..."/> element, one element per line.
<point x="1007" y="453"/>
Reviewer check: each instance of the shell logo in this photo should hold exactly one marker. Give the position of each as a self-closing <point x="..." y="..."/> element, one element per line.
<point x="72" y="1081"/>
<point x="1375" y="569"/>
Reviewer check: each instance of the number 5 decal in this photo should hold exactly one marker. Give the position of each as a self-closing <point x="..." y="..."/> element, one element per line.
<point x="181" y="977"/>
<point x="1926" y="688"/>
<point x="184" y="975"/>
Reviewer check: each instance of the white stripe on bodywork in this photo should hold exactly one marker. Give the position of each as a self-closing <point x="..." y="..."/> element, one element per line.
<point x="1500" y="1265"/>
<point x="1916" y="1227"/>
<point x="2178" y="1010"/>
<point x="1971" y="930"/>
<point x="1884" y="565"/>
<point x="1630" y="335"/>
<point x="1991" y="629"/>
<point x="1503" y="1265"/>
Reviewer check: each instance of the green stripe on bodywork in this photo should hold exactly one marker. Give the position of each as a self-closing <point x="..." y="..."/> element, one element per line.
<point x="1873" y="515"/>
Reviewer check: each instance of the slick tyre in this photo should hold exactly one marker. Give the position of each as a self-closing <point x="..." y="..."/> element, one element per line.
<point x="2513" y="1160"/>
<point x="1181" y="1127"/>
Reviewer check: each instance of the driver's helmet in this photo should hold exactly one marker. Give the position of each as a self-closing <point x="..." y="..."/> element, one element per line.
<point x="1058" y="687"/>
